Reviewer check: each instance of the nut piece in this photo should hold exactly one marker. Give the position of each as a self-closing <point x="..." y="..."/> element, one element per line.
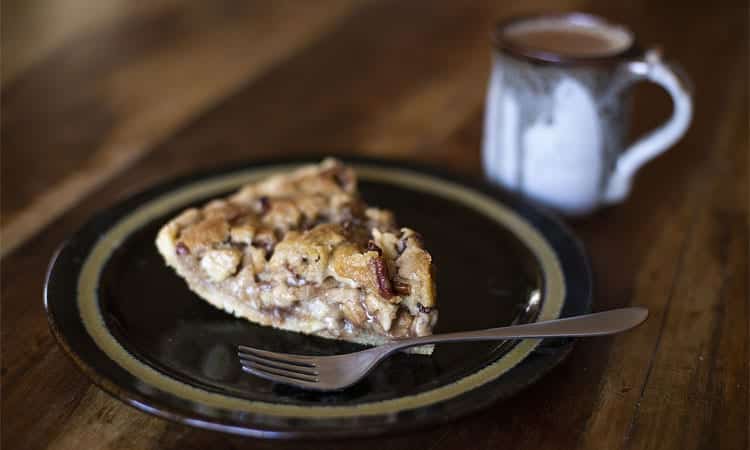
<point x="188" y="217"/>
<point x="257" y="257"/>
<point x="423" y="323"/>
<point x="381" y="216"/>
<point x="205" y="234"/>
<point x="382" y="277"/>
<point x="383" y="311"/>
<point x="414" y="268"/>
<point x="402" y="288"/>
<point x="243" y="234"/>
<point x="221" y="264"/>
<point x="265" y="239"/>
<point x="307" y="254"/>
<point x="354" y="312"/>
<point x="402" y="324"/>
<point x="282" y="214"/>
<point x="222" y="209"/>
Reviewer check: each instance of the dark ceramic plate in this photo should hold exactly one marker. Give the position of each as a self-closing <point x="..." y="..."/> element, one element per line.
<point x="136" y="330"/>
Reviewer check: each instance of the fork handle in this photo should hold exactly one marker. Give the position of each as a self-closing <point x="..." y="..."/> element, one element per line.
<point x="596" y="324"/>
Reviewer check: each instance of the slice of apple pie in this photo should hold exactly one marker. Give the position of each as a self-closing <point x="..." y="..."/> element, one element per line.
<point x="302" y="252"/>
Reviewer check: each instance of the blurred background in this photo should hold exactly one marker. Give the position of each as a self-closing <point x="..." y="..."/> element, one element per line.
<point x="91" y="87"/>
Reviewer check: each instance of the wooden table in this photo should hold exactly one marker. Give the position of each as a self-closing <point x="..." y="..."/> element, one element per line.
<point x="102" y="99"/>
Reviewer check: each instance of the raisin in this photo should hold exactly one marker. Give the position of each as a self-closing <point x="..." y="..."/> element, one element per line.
<point x="266" y="242"/>
<point x="340" y="176"/>
<point x="182" y="249"/>
<point x="423" y="309"/>
<point x="343" y="179"/>
<point x="280" y="314"/>
<point x="264" y="204"/>
<point x="373" y="247"/>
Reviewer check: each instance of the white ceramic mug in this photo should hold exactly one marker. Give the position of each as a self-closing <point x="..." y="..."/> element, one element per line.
<point x="556" y="122"/>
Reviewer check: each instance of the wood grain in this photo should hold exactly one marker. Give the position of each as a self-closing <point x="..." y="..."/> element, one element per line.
<point x="32" y="30"/>
<point x="665" y="222"/>
<point x="138" y="91"/>
<point x="402" y="80"/>
<point x="691" y="367"/>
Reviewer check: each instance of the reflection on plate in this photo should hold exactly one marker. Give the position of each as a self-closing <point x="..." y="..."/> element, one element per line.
<point x="133" y="326"/>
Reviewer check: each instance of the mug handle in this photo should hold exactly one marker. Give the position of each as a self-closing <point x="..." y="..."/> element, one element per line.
<point x="651" y="68"/>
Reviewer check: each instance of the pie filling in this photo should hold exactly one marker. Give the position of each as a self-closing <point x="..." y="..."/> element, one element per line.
<point x="302" y="252"/>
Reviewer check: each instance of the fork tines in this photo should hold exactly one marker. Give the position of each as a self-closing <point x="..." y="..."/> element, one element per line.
<point x="278" y="367"/>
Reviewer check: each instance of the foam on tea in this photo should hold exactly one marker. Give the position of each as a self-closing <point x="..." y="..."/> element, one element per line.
<point x="567" y="37"/>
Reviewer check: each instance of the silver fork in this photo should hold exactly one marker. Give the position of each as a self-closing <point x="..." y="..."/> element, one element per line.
<point x="326" y="373"/>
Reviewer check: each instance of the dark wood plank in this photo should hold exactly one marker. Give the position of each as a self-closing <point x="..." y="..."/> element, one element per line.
<point x="105" y="99"/>
<point x="661" y="212"/>
<point x="696" y="378"/>
<point x="32" y="30"/>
